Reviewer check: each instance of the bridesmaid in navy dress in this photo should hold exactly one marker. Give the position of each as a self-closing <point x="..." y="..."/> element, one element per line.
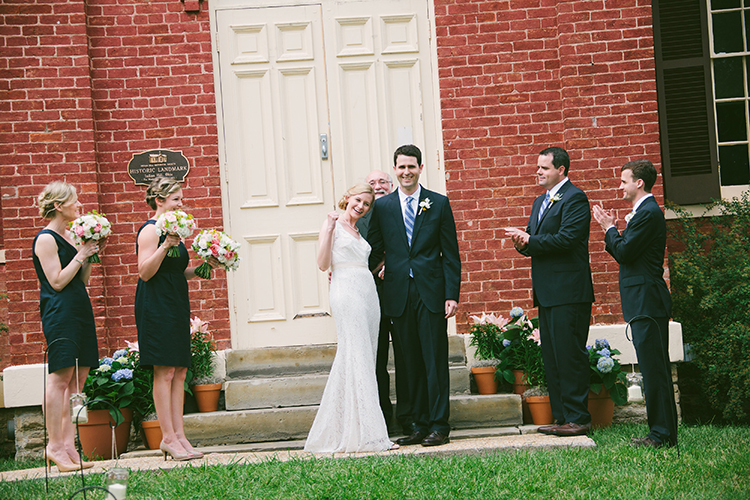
<point x="67" y="318"/>
<point x="162" y="316"/>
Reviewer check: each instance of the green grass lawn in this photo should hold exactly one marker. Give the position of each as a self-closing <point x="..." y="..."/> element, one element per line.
<point x="714" y="463"/>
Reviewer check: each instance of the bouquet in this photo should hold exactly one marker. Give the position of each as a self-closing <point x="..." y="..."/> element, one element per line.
<point x="176" y="222"/>
<point x="213" y="243"/>
<point x="91" y="226"/>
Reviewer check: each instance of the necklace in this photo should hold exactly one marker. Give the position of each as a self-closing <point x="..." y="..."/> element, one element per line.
<point x="349" y="224"/>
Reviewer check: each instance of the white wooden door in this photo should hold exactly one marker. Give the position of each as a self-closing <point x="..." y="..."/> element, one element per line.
<point x="358" y="73"/>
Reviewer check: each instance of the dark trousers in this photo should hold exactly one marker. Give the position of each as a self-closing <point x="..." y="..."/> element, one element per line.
<point x="651" y="341"/>
<point x="423" y="340"/>
<point x="564" y="331"/>
<point x="403" y="407"/>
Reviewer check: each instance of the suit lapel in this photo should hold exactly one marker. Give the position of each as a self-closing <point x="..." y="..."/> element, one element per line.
<point x="397" y="217"/>
<point x="641" y="209"/>
<point x="561" y="194"/>
<point x="418" y="217"/>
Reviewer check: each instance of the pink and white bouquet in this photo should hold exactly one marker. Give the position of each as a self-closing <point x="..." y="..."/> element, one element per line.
<point x="213" y="243"/>
<point x="91" y="226"/>
<point x="175" y="222"/>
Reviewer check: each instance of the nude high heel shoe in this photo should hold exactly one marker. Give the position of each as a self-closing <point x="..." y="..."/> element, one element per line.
<point x="79" y="462"/>
<point x="62" y="467"/>
<point x="166" y="449"/>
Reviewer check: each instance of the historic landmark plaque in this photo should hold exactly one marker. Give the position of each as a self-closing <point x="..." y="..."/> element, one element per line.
<point x="144" y="167"/>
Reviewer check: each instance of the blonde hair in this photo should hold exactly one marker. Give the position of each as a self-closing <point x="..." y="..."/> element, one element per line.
<point x="55" y="192"/>
<point x="161" y="187"/>
<point x="359" y="188"/>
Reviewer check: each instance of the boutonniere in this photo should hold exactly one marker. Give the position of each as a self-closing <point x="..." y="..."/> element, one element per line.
<point x="424" y="205"/>
<point x="628" y="217"/>
<point x="555" y="198"/>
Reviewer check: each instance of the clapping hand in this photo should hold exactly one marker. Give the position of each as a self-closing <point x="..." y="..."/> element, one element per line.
<point x="604" y="218"/>
<point x="519" y="237"/>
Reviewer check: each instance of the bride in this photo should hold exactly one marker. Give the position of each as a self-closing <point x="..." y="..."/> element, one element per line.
<point x="349" y="418"/>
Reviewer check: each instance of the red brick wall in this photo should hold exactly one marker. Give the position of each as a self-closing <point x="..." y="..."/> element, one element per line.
<point x="516" y="77"/>
<point x="85" y="85"/>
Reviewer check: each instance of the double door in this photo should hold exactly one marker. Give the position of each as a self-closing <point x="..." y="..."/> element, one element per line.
<point x="310" y="99"/>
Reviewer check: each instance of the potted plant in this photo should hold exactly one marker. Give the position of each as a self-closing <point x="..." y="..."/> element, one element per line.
<point x="608" y="383"/>
<point x="144" y="412"/>
<point x="486" y="337"/>
<point x="152" y="435"/>
<point x="537" y="399"/>
<point x="206" y="386"/>
<point x="111" y="392"/>
<point x="520" y="350"/>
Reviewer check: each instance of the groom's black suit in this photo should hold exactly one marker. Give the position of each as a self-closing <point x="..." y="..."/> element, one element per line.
<point x="563" y="291"/>
<point x="417" y="305"/>
<point x="640" y="252"/>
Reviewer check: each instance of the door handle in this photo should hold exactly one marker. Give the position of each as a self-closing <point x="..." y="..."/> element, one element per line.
<point x="324" y="146"/>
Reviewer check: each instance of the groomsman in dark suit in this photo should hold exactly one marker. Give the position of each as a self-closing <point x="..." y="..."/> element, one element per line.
<point x="382" y="185"/>
<point x="646" y="303"/>
<point x="413" y="228"/>
<point x="557" y="240"/>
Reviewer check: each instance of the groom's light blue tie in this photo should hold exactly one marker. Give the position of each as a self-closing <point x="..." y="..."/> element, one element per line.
<point x="409" y="219"/>
<point x="545" y="203"/>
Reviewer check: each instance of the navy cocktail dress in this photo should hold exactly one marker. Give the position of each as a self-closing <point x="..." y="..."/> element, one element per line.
<point x="67" y="316"/>
<point x="162" y="311"/>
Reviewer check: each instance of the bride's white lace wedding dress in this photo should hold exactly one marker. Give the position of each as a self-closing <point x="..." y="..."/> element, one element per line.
<point x="349" y="418"/>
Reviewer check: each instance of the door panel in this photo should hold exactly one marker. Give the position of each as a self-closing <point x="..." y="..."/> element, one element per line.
<point x="359" y="72"/>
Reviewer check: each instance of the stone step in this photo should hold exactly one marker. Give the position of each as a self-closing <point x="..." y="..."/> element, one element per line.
<point x="305" y="389"/>
<point x="283" y="424"/>
<point x="300" y="360"/>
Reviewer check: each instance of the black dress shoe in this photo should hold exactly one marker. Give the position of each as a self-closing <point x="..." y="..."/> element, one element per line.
<point x="435" y="438"/>
<point x="416" y="437"/>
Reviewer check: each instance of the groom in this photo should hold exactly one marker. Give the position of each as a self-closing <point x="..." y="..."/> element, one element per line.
<point x="415" y="230"/>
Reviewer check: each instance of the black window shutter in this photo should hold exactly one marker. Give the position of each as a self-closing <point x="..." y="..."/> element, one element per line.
<point x="685" y="99"/>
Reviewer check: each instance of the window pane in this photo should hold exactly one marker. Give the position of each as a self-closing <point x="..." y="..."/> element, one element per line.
<point x="733" y="163"/>
<point x="725" y="4"/>
<point x="728" y="77"/>
<point x="727" y="32"/>
<point x="730" y="119"/>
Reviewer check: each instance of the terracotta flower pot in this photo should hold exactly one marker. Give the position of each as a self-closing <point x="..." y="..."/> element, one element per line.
<point x="540" y="409"/>
<point x="96" y="434"/>
<point x="207" y="396"/>
<point x="484" y="376"/>
<point x="521" y="385"/>
<point x="601" y="408"/>
<point x="152" y="433"/>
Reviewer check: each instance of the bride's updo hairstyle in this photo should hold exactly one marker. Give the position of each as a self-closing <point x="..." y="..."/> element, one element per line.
<point x="55" y="192"/>
<point x="161" y="187"/>
<point x="358" y="188"/>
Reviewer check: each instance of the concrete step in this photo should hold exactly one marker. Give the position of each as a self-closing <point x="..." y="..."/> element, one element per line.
<point x="306" y="389"/>
<point x="298" y="444"/>
<point x="285" y="424"/>
<point x="300" y="360"/>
